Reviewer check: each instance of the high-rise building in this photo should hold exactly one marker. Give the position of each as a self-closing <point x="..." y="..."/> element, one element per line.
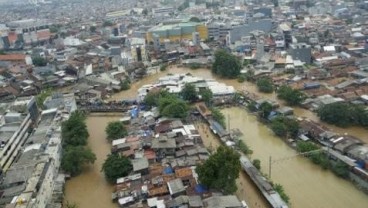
<point x="196" y="39"/>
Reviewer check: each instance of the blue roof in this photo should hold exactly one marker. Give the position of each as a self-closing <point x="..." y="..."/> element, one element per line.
<point x="168" y="170"/>
<point x="134" y="113"/>
<point x="199" y="189"/>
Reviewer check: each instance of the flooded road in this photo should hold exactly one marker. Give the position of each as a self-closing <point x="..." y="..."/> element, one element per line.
<point x="306" y="184"/>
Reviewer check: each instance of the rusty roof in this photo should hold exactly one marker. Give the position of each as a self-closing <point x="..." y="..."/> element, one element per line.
<point x="183" y="172"/>
<point x="12" y="57"/>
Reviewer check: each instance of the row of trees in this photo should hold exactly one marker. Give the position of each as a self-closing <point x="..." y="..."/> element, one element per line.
<point x="343" y="114"/>
<point x="116" y="165"/>
<point x="74" y="136"/>
<point x="322" y="158"/>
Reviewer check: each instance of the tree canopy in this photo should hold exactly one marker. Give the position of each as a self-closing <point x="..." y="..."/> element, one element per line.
<point x="226" y="65"/>
<point x="74" y="130"/>
<point x="174" y="108"/>
<point x="265" y="109"/>
<point x="221" y="170"/>
<point x="265" y="84"/>
<point x="343" y="114"/>
<point x="194" y="19"/>
<point x="115" y="130"/>
<point x="206" y="96"/>
<point x="290" y="95"/>
<point x="284" y="126"/>
<point x="189" y="93"/>
<point x="75" y="158"/>
<point x="39" y="61"/>
<point x="92" y="29"/>
<point x="116" y="166"/>
<point x="218" y="116"/>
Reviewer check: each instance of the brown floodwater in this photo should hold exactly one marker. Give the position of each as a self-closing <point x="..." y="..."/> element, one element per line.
<point x="90" y="189"/>
<point x="305" y="183"/>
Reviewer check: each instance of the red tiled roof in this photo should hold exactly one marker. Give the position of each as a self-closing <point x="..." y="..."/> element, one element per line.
<point x="12" y="57"/>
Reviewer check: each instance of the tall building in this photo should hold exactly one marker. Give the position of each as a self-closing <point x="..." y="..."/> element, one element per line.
<point x="286" y="31"/>
<point x="196" y="39"/>
<point x="156" y="42"/>
<point x="302" y="52"/>
<point x="177" y="31"/>
<point x="138" y="49"/>
<point x="14" y="127"/>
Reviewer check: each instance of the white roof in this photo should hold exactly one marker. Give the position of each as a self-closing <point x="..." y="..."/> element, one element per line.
<point x="125" y="200"/>
<point x="329" y="48"/>
<point x="89" y="69"/>
<point x="118" y="141"/>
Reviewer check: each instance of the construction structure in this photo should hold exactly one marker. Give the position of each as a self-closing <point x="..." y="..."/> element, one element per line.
<point x="177" y="32"/>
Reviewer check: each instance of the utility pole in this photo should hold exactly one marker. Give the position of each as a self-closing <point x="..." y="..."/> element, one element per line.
<point x="269" y="167"/>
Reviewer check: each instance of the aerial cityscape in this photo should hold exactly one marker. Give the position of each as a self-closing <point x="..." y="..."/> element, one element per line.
<point x="183" y="104"/>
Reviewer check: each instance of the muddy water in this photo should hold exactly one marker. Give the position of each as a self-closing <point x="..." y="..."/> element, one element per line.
<point x="306" y="184"/>
<point x="90" y="189"/>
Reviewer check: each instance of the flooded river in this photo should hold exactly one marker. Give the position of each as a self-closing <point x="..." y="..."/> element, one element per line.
<point x="306" y="184"/>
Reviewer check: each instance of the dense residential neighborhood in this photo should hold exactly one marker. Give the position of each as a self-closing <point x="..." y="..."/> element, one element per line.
<point x="183" y="103"/>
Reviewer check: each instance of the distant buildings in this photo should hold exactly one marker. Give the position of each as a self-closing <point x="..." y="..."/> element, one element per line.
<point x="178" y="31"/>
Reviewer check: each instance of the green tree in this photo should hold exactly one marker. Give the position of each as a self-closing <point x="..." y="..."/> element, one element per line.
<point x="115" y="130"/>
<point x="74" y="130"/>
<point x="163" y="67"/>
<point x="92" y="29"/>
<point x="206" y="95"/>
<point x="40" y="98"/>
<point x="244" y="148"/>
<point x="257" y="163"/>
<point x="290" y="95"/>
<point x="71" y="205"/>
<point x="279" y="189"/>
<point x="2" y="52"/>
<point x="279" y="128"/>
<point x="107" y="24"/>
<point x="284" y="126"/>
<point x="252" y="106"/>
<point x="265" y="85"/>
<point x="341" y="169"/>
<point x="176" y="109"/>
<point x="116" y="166"/>
<point x="343" y="114"/>
<point x="39" y="61"/>
<point x="226" y="65"/>
<point x="189" y="92"/>
<point x="194" y="19"/>
<point x="306" y="146"/>
<point x="75" y="158"/>
<point x="218" y="116"/>
<point x="125" y="85"/>
<point x="265" y="109"/>
<point x="241" y="78"/>
<point x="221" y="170"/>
